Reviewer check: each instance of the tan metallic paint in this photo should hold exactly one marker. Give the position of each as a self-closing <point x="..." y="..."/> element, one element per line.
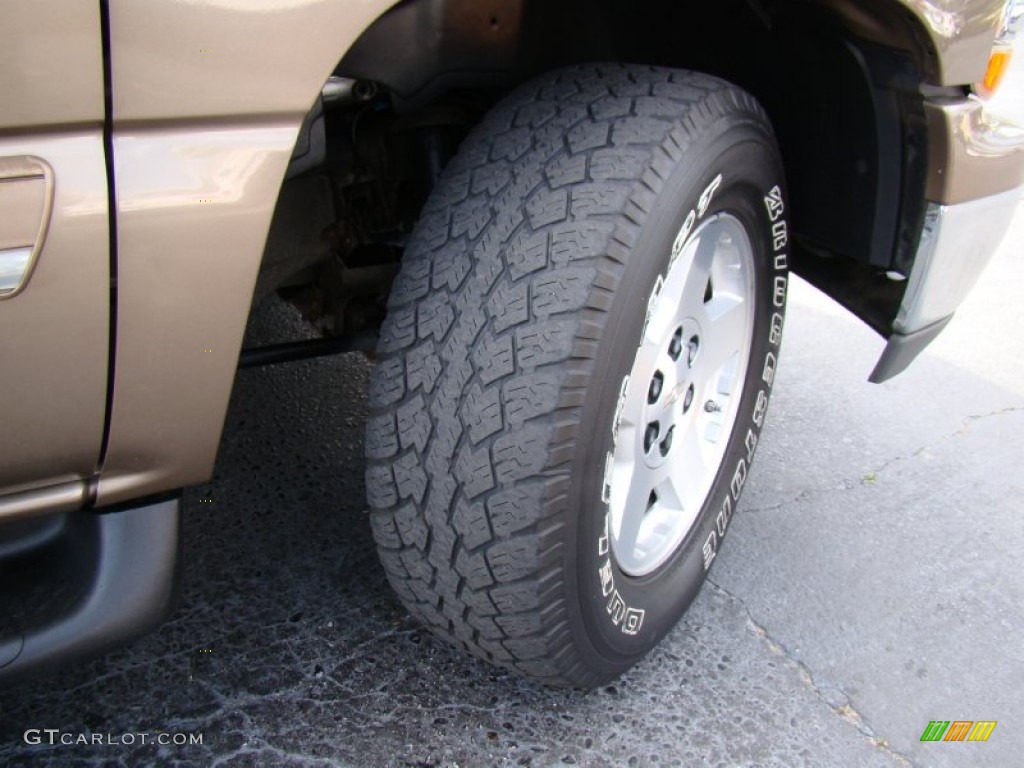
<point x="51" y="63"/>
<point x="972" y="154"/>
<point x="26" y="203"/>
<point x="65" y="497"/>
<point x="962" y="33"/>
<point x="194" y="58"/>
<point x="209" y="95"/>
<point x="23" y="200"/>
<point x="193" y="211"/>
<point x="955" y="36"/>
<point x="176" y="59"/>
<point x="53" y="344"/>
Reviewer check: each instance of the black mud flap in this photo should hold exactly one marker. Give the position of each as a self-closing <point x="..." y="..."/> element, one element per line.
<point x="77" y="584"/>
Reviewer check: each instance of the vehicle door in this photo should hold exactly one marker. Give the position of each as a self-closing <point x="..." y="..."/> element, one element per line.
<point x="55" y="277"/>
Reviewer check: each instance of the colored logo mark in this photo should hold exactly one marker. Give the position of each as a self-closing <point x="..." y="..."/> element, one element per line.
<point x="958" y="730"/>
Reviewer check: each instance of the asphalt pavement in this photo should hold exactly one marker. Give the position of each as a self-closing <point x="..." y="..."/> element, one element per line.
<point x="871" y="582"/>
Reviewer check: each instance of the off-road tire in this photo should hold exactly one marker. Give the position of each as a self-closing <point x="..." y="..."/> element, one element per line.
<point x="515" y="317"/>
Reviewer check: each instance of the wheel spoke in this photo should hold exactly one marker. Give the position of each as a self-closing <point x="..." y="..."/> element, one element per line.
<point x="663" y="310"/>
<point x="641" y="484"/>
<point x="689" y="464"/>
<point x="703" y="256"/>
<point x="725" y="330"/>
<point x="639" y="381"/>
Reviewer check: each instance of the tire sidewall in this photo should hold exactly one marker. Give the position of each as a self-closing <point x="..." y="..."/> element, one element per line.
<point x="619" y="616"/>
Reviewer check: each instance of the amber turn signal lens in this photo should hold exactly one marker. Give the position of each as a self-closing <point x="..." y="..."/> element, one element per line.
<point x="998" y="63"/>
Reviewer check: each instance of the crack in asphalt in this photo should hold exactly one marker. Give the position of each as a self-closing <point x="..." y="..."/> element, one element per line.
<point x="803" y="495"/>
<point x="965" y="427"/>
<point x="872" y="475"/>
<point x="847" y="711"/>
<point x="256" y="743"/>
<point x="266" y="753"/>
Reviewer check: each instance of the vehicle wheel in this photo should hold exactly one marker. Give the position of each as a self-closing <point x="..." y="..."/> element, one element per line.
<point x="575" y="367"/>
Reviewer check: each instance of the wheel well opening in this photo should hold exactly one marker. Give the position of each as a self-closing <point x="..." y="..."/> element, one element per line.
<point x="846" y="110"/>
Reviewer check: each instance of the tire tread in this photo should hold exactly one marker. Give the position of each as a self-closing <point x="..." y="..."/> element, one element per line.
<point x="494" y="322"/>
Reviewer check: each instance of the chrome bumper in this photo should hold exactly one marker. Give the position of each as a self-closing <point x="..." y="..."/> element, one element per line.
<point x="974" y="185"/>
<point x="957" y="242"/>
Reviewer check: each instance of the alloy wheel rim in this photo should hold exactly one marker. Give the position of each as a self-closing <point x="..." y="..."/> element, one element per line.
<point x="679" y="403"/>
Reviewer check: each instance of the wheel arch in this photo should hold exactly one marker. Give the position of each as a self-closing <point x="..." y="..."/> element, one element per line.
<point x="195" y="81"/>
<point x="840" y="81"/>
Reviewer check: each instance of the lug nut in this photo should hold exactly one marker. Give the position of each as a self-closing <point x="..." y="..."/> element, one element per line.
<point x="688" y="400"/>
<point x="676" y="345"/>
<point x="654" y="391"/>
<point x="666" y="445"/>
<point x="691" y="351"/>
<point x="650" y="435"/>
